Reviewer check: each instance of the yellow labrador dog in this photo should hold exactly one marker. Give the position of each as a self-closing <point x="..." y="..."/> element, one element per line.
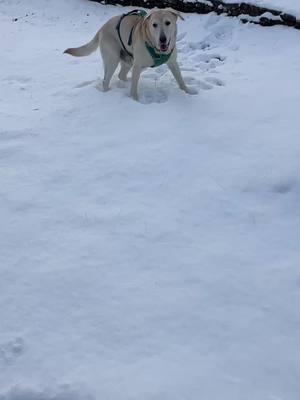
<point x="136" y="40"/>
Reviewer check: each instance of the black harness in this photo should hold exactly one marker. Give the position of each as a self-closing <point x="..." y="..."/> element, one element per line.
<point x="139" y="13"/>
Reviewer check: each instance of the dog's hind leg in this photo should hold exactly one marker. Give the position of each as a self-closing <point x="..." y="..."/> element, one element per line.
<point x="126" y="65"/>
<point x="111" y="59"/>
<point x="125" y="68"/>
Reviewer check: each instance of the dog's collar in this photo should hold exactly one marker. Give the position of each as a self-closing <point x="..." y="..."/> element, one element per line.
<point x="158" y="58"/>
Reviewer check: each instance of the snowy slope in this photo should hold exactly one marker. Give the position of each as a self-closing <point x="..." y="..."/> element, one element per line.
<point x="148" y="250"/>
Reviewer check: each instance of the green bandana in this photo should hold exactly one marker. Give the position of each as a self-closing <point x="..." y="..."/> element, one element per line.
<point x="158" y="58"/>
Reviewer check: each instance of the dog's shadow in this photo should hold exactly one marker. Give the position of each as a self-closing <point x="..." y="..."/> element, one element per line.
<point x="151" y="91"/>
<point x="148" y="94"/>
<point x="85" y="83"/>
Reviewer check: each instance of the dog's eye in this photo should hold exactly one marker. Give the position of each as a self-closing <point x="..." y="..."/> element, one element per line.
<point x="167" y="23"/>
<point x="155" y="25"/>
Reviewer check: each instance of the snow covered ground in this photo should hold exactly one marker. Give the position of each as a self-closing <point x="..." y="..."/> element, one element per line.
<point x="148" y="250"/>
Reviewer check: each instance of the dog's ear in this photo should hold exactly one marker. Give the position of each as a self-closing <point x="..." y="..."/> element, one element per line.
<point x="148" y="15"/>
<point x="175" y="12"/>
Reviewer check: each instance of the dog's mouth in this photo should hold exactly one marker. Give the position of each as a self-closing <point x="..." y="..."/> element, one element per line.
<point x="163" y="47"/>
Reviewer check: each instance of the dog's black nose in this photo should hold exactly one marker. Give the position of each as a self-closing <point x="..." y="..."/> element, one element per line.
<point x="163" y="39"/>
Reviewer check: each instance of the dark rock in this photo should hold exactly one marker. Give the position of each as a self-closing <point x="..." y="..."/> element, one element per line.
<point x="289" y="19"/>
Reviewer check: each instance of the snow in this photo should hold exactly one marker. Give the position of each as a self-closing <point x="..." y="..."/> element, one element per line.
<point x="148" y="250"/>
<point x="287" y="6"/>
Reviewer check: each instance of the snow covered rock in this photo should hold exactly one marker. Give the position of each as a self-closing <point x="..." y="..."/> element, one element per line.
<point x="265" y="13"/>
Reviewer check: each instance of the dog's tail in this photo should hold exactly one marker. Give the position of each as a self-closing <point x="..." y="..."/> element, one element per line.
<point x="86" y="49"/>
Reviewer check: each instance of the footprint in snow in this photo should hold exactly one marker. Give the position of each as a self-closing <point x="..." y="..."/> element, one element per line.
<point x="192" y="82"/>
<point x="11" y="79"/>
<point x="221" y="33"/>
<point x="204" y="62"/>
<point x="204" y="85"/>
<point x="283" y="187"/>
<point x="215" y="81"/>
<point x="149" y="96"/>
<point x="207" y="58"/>
<point x="11" y="350"/>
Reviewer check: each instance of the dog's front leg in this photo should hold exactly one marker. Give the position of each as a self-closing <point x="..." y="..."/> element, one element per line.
<point x="136" y="73"/>
<point x="174" y="68"/>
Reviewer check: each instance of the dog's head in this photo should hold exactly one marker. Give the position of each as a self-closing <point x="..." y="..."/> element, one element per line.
<point x="162" y="28"/>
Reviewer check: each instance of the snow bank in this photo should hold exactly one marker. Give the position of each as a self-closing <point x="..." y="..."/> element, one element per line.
<point x="288" y="6"/>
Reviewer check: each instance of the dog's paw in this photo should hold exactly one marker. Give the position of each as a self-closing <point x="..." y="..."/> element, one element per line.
<point x="134" y="97"/>
<point x="99" y="86"/>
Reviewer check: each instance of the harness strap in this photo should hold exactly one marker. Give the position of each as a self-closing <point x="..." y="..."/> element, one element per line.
<point x="130" y="36"/>
<point x="139" y="13"/>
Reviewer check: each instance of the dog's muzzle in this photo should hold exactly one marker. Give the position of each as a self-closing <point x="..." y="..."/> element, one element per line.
<point x="164" y="46"/>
